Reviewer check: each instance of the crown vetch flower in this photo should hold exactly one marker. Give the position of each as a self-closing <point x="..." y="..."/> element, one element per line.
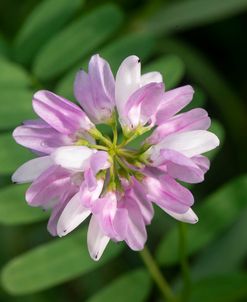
<point x="80" y="172"/>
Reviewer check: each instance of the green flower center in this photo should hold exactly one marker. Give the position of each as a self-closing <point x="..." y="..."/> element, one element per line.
<point x="126" y="155"/>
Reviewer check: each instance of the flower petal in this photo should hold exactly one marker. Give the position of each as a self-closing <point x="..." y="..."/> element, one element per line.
<point x="151" y="77"/>
<point x="40" y="137"/>
<point x="128" y="80"/>
<point x="72" y="216"/>
<point x="189" y="143"/>
<point x="96" y="239"/>
<point x="142" y="104"/>
<point x="73" y="157"/>
<point x="32" y="169"/>
<point x="168" y="194"/>
<point x="49" y="187"/>
<point x="189" y="216"/>
<point x="179" y="166"/>
<point x="95" y="91"/>
<point x="59" y="113"/>
<point x="173" y="101"/>
<point x="195" y="119"/>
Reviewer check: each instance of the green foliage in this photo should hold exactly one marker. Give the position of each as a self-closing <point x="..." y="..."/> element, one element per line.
<point x="132" y="287"/>
<point x="224" y="288"/>
<point x="44" y="22"/>
<point x="13" y="208"/>
<point x="181" y="15"/>
<point x="67" y="48"/>
<point x="226" y="254"/>
<point x="13" y="76"/>
<point x="51" y="264"/>
<point x="12" y="155"/>
<point x="217" y="212"/>
<point x="16" y="106"/>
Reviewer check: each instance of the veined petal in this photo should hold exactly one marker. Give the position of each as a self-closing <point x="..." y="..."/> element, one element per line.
<point x="151" y="77"/>
<point x="142" y="104"/>
<point x="95" y="90"/>
<point x="168" y="194"/>
<point x="174" y="100"/>
<point x="73" y="157"/>
<point x="189" y="143"/>
<point x="40" y="137"/>
<point x="32" y="169"/>
<point x="59" y="113"/>
<point x="179" y="166"/>
<point x="195" y="119"/>
<point x="96" y="239"/>
<point x="72" y="216"/>
<point x="189" y="216"/>
<point x="128" y="80"/>
<point x="50" y="187"/>
<point x="136" y="234"/>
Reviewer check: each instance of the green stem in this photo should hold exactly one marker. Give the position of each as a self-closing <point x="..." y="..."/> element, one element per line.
<point x="157" y="275"/>
<point x="184" y="262"/>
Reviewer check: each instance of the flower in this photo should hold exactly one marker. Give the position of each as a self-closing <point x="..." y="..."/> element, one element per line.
<point x="80" y="172"/>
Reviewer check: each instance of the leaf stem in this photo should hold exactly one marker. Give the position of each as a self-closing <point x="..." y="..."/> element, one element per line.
<point x="184" y="261"/>
<point x="157" y="276"/>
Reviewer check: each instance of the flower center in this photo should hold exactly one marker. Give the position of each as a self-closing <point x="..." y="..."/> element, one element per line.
<point x="126" y="157"/>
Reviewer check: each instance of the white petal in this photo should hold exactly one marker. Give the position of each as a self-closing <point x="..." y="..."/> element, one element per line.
<point x="73" y="214"/>
<point x="32" y="169"/>
<point x="151" y="77"/>
<point x="127" y="80"/>
<point x="190" y="143"/>
<point x="72" y="157"/>
<point x="189" y="216"/>
<point x="96" y="239"/>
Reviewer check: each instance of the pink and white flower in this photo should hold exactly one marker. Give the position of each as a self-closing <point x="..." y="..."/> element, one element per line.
<point x="79" y="172"/>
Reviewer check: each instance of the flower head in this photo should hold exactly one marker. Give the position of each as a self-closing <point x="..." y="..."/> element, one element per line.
<point x="80" y="172"/>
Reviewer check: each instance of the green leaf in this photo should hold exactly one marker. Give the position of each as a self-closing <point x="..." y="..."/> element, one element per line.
<point x="182" y="15"/>
<point x="225" y="288"/>
<point x="171" y="67"/>
<point x="132" y="287"/>
<point x="11" y="154"/>
<point x="44" y="22"/>
<point x="13" y="76"/>
<point x="139" y="44"/>
<point x="215" y="260"/>
<point x="13" y="208"/>
<point x="16" y="106"/>
<point x="52" y="263"/>
<point x="216" y="213"/>
<point x="76" y="41"/>
<point x="3" y="46"/>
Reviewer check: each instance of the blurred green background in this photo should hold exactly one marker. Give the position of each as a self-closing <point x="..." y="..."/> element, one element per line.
<point x="197" y="42"/>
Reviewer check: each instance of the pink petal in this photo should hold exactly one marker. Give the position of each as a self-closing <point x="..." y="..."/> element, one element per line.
<point x="188" y="217"/>
<point x="59" y="113"/>
<point x="174" y="101"/>
<point x="96" y="239"/>
<point x="95" y="91"/>
<point x="195" y="119"/>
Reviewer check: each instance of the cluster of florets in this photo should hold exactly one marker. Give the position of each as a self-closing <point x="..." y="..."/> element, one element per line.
<point x="81" y="172"/>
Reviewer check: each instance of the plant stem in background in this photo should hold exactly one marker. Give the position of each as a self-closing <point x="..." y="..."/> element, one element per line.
<point x="182" y="228"/>
<point x="157" y="275"/>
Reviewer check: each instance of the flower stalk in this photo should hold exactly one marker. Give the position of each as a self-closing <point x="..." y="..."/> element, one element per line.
<point x="182" y="228"/>
<point x="157" y="276"/>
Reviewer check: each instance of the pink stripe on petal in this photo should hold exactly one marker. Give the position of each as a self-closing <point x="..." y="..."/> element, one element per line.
<point x="173" y="101"/>
<point x="59" y="113"/>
